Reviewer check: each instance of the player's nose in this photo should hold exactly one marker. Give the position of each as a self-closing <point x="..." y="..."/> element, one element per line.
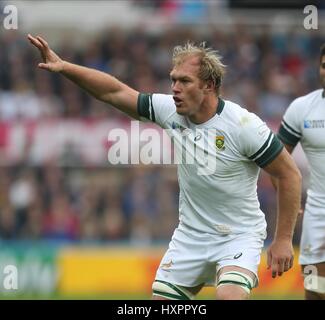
<point x="175" y="88"/>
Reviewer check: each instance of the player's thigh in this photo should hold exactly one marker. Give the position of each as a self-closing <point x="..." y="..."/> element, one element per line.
<point x="243" y="251"/>
<point x="184" y="266"/>
<point x="234" y="283"/>
<point x="237" y="270"/>
<point x="312" y="244"/>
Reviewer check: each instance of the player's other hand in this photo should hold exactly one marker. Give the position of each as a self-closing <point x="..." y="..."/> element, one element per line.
<point x="51" y="61"/>
<point x="280" y="256"/>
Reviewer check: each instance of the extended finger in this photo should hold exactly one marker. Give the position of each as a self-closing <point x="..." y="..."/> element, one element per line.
<point x="44" y="66"/>
<point x="286" y="265"/>
<point x="291" y="262"/>
<point x="280" y="267"/>
<point x="35" y="42"/>
<point x="274" y="267"/>
<point x="43" y="42"/>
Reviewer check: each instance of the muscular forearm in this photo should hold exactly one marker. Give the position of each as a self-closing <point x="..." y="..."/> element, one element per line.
<point x="288" y="191"/>
<point x="97" y="83"/>
<point x="274" y="182"/>
<point x="287" y="180"/>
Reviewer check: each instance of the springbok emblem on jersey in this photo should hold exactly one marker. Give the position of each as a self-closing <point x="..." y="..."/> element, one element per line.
<point x="220" y="141"/>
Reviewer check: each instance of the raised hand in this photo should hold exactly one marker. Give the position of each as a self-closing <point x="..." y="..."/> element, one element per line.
<point x="51" y="61"/>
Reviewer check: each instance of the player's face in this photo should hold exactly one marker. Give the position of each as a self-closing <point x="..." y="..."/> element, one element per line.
<point x="188" y="92"/>
<point x="322" y="71"/>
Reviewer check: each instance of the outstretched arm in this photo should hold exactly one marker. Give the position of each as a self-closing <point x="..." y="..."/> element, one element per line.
<point x="99" y="84"/>
<point x="288" y="177"/>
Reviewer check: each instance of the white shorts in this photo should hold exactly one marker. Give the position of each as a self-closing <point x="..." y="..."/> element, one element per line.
<point x="312" y="244"/>
<point x="194" y="258"/>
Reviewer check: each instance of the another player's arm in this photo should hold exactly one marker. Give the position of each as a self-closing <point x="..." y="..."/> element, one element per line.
<point x="289" y="132"/>
<point x="99" y="84"/>
<point x="287" y="174"/>
<point x="289" y="141"/>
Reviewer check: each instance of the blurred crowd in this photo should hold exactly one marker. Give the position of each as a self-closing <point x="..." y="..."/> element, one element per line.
<point x="266" y="70"/>
<point x="136" y="205"/>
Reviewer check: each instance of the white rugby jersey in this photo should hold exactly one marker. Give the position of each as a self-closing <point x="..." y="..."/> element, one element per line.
<point x="304" y="122"/>
<point x="224" y="201"/>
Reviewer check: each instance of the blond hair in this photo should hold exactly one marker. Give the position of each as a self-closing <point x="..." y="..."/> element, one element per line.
<point x="211" y="67"/>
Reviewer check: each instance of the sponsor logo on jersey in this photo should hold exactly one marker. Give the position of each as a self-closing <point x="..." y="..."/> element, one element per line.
<point x="238" y="255"/>
<point x="183" y="130"/>
<point x="220" y="141"/>
<point x="176" y="125"/>
<point x="314" y="124"/>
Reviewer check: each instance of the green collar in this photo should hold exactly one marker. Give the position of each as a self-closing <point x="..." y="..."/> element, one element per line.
<point x="221" y="105"/>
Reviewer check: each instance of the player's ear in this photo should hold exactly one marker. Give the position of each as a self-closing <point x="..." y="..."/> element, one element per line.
<point x="208" y="86"/>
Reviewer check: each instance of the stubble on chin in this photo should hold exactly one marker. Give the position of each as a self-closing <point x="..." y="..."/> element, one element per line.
<point x="181" y="113"/>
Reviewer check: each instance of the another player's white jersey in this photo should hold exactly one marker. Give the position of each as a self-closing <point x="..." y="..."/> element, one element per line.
<point x="224" y="201"/>
<point x="304" y="121"/>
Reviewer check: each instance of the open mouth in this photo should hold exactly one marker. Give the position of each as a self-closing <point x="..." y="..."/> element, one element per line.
<point x="178" y="101"/>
